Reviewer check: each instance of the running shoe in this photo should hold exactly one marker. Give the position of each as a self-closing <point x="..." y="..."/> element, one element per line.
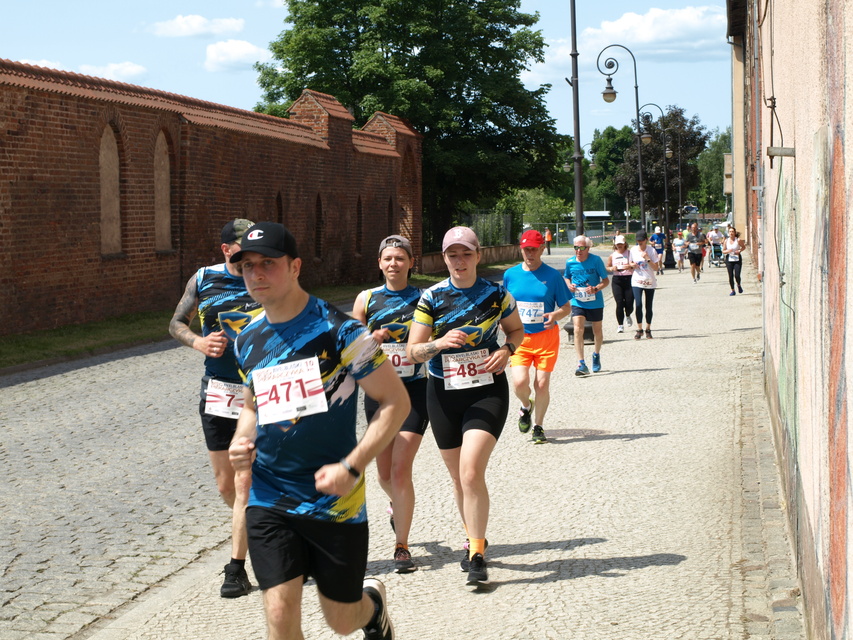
<point x="648" y="334"/>
<point x="620" y="328"/>
<point x="539" y="435"/>
<point x="379" y="627"/>
<point x="524" y="420"/>
<point x="465" y="565"/>
<point x="628" y="320"/>
<point x="699" y="276"/>
<point x="236" y="582"/>
<point x="477" y="573"/>
<point x="739" y="289"/>
<point x="639" y="334"/>
<point x="582" y="370"/>
<point x="732" y="293"/>
<point x="403" y="562"/>
<point x="596" y="362"/>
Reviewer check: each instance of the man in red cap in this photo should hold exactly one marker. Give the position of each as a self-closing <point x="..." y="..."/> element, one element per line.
<point x="543" y="299"/>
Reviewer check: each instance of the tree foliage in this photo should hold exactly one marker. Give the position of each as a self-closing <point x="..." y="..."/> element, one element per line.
<point x="711" y="166"/>
<point x="451" y="68"/>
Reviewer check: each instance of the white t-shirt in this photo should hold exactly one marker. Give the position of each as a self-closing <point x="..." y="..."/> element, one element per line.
<point x="644" y="276"/>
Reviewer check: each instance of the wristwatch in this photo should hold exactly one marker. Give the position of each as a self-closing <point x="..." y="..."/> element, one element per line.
<point x="510" y="347"/>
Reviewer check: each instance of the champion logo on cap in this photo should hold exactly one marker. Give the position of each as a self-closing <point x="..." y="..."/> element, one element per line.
<point x="255" y="234"/>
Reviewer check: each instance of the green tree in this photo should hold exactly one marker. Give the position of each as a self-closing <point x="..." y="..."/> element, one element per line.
<point x="709" y="193"/>
<point x="451" y="68"/>
<point x="534" y="206"/>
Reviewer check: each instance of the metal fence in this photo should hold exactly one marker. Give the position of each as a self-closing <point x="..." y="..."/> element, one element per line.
<point x="492" y="229"/>
<point x="600" y="232"/>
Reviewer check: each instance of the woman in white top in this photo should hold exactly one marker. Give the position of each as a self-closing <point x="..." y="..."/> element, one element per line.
<point x="732" y="248"/>
<point x="644" y="262"/>
<point x="618" y="263"/>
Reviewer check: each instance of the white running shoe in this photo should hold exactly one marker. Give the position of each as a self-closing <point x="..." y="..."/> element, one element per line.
<point x="620" y="329"/>
<point x="629" y="321"/>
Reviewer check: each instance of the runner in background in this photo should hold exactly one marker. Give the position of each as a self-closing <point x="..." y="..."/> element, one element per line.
<point x="387" y="311"/>
<point x="218" y="294"/>
<point x="543" y="300"/>
<point x="618" y="264"/>
<point x="455" y="328"/>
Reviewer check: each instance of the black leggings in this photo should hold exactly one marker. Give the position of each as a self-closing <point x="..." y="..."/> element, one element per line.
<point x="734" y="273"/>
<point x="638" y="301"/>
<point x="622" y="296"/>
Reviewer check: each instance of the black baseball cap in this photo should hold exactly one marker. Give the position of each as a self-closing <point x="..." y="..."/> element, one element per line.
<point x="269" y="239"/>
<point x="641" y="235"/>
<point x="234" y="230"/>
<point x="396" y="241"/>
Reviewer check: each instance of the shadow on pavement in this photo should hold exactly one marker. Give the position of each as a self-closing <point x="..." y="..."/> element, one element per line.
<point x="567" y="436"/>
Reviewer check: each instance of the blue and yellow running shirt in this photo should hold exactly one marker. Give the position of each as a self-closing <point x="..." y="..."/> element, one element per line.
<point x="393" y="310"/>
<point x="536" y="293"/>
<point x="306" y="369"/>
<point x="220" y="292"/>
<point x="476" y="310"/>
<point x="588" y="273"/>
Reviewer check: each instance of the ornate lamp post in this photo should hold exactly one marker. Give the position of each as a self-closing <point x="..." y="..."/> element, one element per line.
<point x="609" y="94"/>
<point x="578" y="154"/>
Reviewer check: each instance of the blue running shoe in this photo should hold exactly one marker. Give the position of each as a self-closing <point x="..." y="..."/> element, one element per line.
<point x="596" y="362"/>
<point x="582" y="370"/>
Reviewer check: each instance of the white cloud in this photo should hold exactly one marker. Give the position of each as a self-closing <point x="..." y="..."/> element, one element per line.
<point x="194" y="25"/>
<point x="48" y="64"/>
<point x="121" y="71"/>
<point x="234" y="55"/>
<point x="690" y="33"/>
<point x="275" y="4"/>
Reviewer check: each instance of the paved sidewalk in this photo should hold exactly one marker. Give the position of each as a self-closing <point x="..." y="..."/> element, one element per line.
<point x="652" y="513"/>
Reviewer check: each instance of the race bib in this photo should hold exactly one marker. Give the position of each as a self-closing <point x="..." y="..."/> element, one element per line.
<point x="289" y="391"/>
<point x="658" y="246"/>
<point x="733" y="257"/>
<point x="531" y="312"/>
<point x="396" y="352"/>
<point x="694" y="246"/>
<point x="224" y="399"/>
<point x="583" y="296"/>
<point x="465" y="370"/>
<point x="620" y="263"/>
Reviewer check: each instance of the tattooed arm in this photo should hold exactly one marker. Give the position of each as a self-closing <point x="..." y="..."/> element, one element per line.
<point x="421" y="349"/>
<point x="211" y="345"/>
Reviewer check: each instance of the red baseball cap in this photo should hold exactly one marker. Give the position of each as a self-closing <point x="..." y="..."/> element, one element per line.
<point x="532" y="238"/>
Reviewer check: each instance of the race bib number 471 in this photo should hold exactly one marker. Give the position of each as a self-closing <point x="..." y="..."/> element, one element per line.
<point x="465" y="370"/>
<point x="289" y="391"/>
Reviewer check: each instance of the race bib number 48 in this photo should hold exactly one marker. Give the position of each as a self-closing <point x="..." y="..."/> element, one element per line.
<point x="289" y="391"/>
<point x="224" y="399"/>
<point x="465" y="370"/>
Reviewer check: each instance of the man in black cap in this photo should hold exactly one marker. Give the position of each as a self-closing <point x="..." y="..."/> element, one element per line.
<point x="219" y="297"/>
<point x="301" y="361"/>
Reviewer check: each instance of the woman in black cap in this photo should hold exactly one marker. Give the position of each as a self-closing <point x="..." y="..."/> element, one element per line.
<point x="644" y="261"/>
<point x="387" y="312"/>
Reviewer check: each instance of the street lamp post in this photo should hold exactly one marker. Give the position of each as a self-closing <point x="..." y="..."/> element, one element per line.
<point x="609" y="94"/>
<point x="577" y="156"/>
<point x="669" y="258"/>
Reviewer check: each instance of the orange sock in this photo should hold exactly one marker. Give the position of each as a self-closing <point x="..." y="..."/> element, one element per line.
<point x="478" y="545"/>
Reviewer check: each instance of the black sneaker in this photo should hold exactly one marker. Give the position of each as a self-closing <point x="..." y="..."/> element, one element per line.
<point x="465" y="565"/>
<point x="524" y="421"/>
<point x="236" y="582"/>
<point x="379" y="627"/>
<point x="539" y="435"/>
<point x="403" y="562"/>
<point x="477" y="573"/>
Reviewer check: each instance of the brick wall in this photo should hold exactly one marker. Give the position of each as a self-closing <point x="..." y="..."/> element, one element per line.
<point x="225" y="163"/>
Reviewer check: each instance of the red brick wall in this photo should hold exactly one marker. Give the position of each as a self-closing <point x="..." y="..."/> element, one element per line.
<point x="51" y="269"/>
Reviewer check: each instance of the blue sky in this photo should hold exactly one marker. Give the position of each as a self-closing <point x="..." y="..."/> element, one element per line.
<point x="206" y="50"/>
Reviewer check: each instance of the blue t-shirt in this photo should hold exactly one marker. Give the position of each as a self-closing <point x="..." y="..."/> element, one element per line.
<point x="536" y="293"/>
<point x="476" y="310"/>
<point x="289" y="452"/>
<point x="586" y="274"/>
<point x="393" y="310"/>
<point x="658" y="240"/>
<point x="220" y="292"/>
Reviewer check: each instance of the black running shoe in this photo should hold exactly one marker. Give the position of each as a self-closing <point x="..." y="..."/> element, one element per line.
<point x="524" y="421"/>
<point x="236" y="582"/>
<point x="539" y="435"/>
<point x="403" y="562"/>
<point x="465" y="565"/>
<point x="477" y="573"/>
<point x="379" y="627"/>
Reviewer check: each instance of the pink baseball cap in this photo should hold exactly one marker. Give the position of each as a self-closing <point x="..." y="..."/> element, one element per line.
<point x="461" y="235"/>
<point x="532" y="238"/>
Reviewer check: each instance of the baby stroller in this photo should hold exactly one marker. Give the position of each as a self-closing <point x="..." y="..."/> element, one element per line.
<point x="716" y="257"/>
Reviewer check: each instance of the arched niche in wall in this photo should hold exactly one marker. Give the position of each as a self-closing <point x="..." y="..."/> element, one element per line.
<point x="162" y="194"/>
<point x="109" y="164"/>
